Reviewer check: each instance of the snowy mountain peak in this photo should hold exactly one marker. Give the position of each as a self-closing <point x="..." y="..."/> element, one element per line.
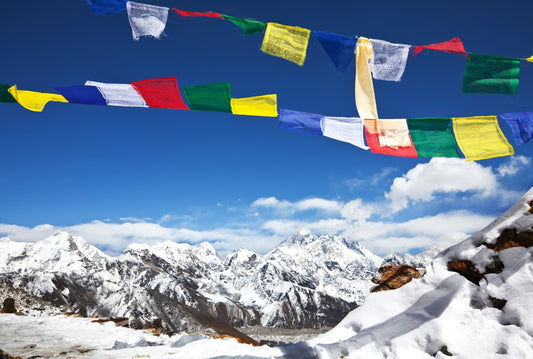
<point x="302" y="237"/>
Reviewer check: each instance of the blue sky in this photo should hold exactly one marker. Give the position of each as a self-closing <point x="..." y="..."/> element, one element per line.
<point x="117" y="175"/>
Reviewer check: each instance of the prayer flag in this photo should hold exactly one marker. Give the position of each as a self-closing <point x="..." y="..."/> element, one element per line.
<point x="163" y="93"/>
<point x="453" y="46"/>
<point x="147" y="20"/>
<point x="491" y="74"/>
<point x="346" y="129"/>
<point x="195" y="13"/>
<point x="521" y="124"/>
<point x="287" y="42"/>
<point x="433" y="137"/>
<point x="89" y="95"/>
<point x="365" y="100"/>
<point x="34" y="101"/>
<point x="266" y="105"/>
<point x="107" y="7"/>
<point x="480" y="137"/>
<point x="388" y="60"/>
<point x="300" y="121"/>
<point x="373" y="141"/>
<point x="530" y="59"/>
<point x="119" y="94"/>
<point x="5" y="96"/>
<point x="248" y="25"/>
<point x="393" y="133"/>
<point x="340" y="48"/>
<point x="211" y="97"/>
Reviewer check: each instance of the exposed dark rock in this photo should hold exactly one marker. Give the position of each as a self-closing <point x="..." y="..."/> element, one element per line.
<point x="467" y="269"/>
<point x="509" y="238"/>
<point x="497" y="303"/>
<point x="4" y="355"/>
<point x="443" y="350"/>
<point x="393" y="277"/>
<point x="9" y="306"/>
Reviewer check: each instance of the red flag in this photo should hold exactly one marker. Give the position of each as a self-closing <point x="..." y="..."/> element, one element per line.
<point x="195" y="13"/>
<point x="163" y="92"/>
<point x="372" y="141"/>
<point x="453" y="46"/>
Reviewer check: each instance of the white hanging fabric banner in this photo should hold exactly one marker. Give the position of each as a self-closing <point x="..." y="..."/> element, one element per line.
<point x="346" y="129"/>
<point x="119" y="94"/>
<point x="393" y="133"/>
<point x="147" y="20"/>
<point x="388" y="60"/>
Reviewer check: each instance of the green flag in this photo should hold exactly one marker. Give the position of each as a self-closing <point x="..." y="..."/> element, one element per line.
<point x="4" y="95"/>
<point x="433" y="137"/>
<point x="211" y="97"/>
<point x="491" y="74"/>
<point x="249" y="26"/>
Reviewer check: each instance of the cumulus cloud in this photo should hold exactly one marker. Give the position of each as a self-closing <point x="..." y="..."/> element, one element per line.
<point x="356" y="210"/>
<point x="513" y="166"/>
<point x="441" y="175"/>
<point x="288" y="207"/>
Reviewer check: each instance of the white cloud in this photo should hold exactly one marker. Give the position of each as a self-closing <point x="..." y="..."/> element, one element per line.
<point x="356" y="210"/>
<point x="443" y="229"/>
<point x="514" y="164"/>
<point x="26" y="234"/>
<point x="441" y="175"/>
<point x="288" y="207"/>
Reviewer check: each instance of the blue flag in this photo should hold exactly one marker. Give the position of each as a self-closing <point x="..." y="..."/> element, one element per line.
<point x="89" y="95"/>
<point x="300" y="121"/>
<point x="107" y="7"/>
<point x="522" y="125"/>
<point x="340" y="48"/>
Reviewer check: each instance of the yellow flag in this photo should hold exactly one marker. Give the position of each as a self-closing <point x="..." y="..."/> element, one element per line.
<point x="287" y="42"/>
<point x="480" y="137"/>
<point x="266" y="105"/>
<point x="530" y="58"/>
<point x="34" y="101"/>
<point x="365" y="100"/>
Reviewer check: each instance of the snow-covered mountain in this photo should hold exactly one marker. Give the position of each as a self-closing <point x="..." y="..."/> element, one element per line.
<point x="306" y="281"/>
<point x="473" y="302"/>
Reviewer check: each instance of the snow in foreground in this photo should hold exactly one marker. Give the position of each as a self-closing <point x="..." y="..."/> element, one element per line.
<point x="438" y="315"/>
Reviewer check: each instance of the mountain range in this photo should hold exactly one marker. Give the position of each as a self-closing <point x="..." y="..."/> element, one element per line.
<point x="304" y="282"/>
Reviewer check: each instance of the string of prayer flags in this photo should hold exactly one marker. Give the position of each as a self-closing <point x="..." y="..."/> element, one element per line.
<point x="372" y="137"/>
<point x="287" y="42"/>
<point x="388" y="60"/>
<point x="162" y="93"/>
<point x="107" y="7"/>
<point x="5" y="96"/>
<point x="34" y="101"/>
<point x="196" y="13"/>
<point x="521" y="124"/>
<point x="89" y="95"/>
<point x="480" y="137"/>
<point x="345" y="129"/>
<point x="123" y="95"/>
<point x="491" y="74"/>
<point x="340" y="48"/>
<point x="248" y="25"/>
<point x="300" y="121"/>
<point x="266" y="105"/>
<point x="453" y="46"/>
<point x="147" y="20"/>
<point x="211" y="97"/>
<point x="433" y="137"/>
<point x="365" y="100"/>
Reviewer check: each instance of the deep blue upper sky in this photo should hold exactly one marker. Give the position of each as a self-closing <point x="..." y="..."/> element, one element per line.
<point x="73" y="164"/>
